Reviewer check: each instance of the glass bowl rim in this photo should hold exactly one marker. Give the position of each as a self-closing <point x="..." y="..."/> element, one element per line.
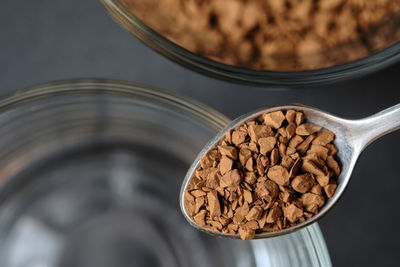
<point x="261" y="78"/>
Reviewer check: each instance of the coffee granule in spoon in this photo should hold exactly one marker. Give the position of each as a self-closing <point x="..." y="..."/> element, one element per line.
<point x="264" y="176"/>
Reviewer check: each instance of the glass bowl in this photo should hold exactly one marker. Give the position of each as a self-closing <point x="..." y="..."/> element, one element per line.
<point x="90" y="173"/>
<point x="385" y="57"/>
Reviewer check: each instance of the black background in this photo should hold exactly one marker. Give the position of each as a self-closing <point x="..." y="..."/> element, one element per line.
<point x="45" y="40"/>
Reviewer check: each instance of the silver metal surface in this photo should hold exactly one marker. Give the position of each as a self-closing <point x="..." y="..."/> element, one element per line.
<point x="352" y="137"/>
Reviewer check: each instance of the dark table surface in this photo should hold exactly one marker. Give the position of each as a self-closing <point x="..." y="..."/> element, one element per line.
<point x="49" y="40"/>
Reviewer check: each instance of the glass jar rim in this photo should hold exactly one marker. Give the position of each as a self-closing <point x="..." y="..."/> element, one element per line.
<point x="118" y="87"/>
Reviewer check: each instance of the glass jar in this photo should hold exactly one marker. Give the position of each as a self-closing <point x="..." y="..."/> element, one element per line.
<point x="90" y="172"/>
<point x="379" y="60"/>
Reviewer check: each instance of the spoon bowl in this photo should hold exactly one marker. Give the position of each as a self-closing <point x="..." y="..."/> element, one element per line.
<point x="352" y="136"/>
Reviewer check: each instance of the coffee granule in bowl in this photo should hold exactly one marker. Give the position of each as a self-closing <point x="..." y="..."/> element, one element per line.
<point x="264" y="176"/>
<point x="274" y="35"/>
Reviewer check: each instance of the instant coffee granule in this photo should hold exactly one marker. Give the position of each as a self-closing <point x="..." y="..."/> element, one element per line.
<point x="266" y="175"/>
<point x="276" y="35"/>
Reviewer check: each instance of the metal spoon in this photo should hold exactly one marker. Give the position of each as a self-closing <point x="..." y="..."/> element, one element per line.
<point x="352" y="137"/>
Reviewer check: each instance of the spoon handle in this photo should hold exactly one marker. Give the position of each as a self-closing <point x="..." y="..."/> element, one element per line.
<point x="378" y="125"/>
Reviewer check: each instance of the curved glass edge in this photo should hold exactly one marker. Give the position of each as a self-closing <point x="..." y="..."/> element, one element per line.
<point x="110" y="86"/>
<point x="321" y="250"/>
<point x="300" y="79"/>
<point x="307" y="245"/>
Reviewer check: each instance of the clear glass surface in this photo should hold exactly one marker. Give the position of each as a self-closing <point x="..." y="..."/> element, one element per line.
<point x="90" y="173"/>
<point x="386" y="52"/>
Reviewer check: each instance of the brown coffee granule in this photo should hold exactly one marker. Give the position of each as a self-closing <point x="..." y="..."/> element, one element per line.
<point x="264" y="176"/>
<point x="275" y="35"/>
